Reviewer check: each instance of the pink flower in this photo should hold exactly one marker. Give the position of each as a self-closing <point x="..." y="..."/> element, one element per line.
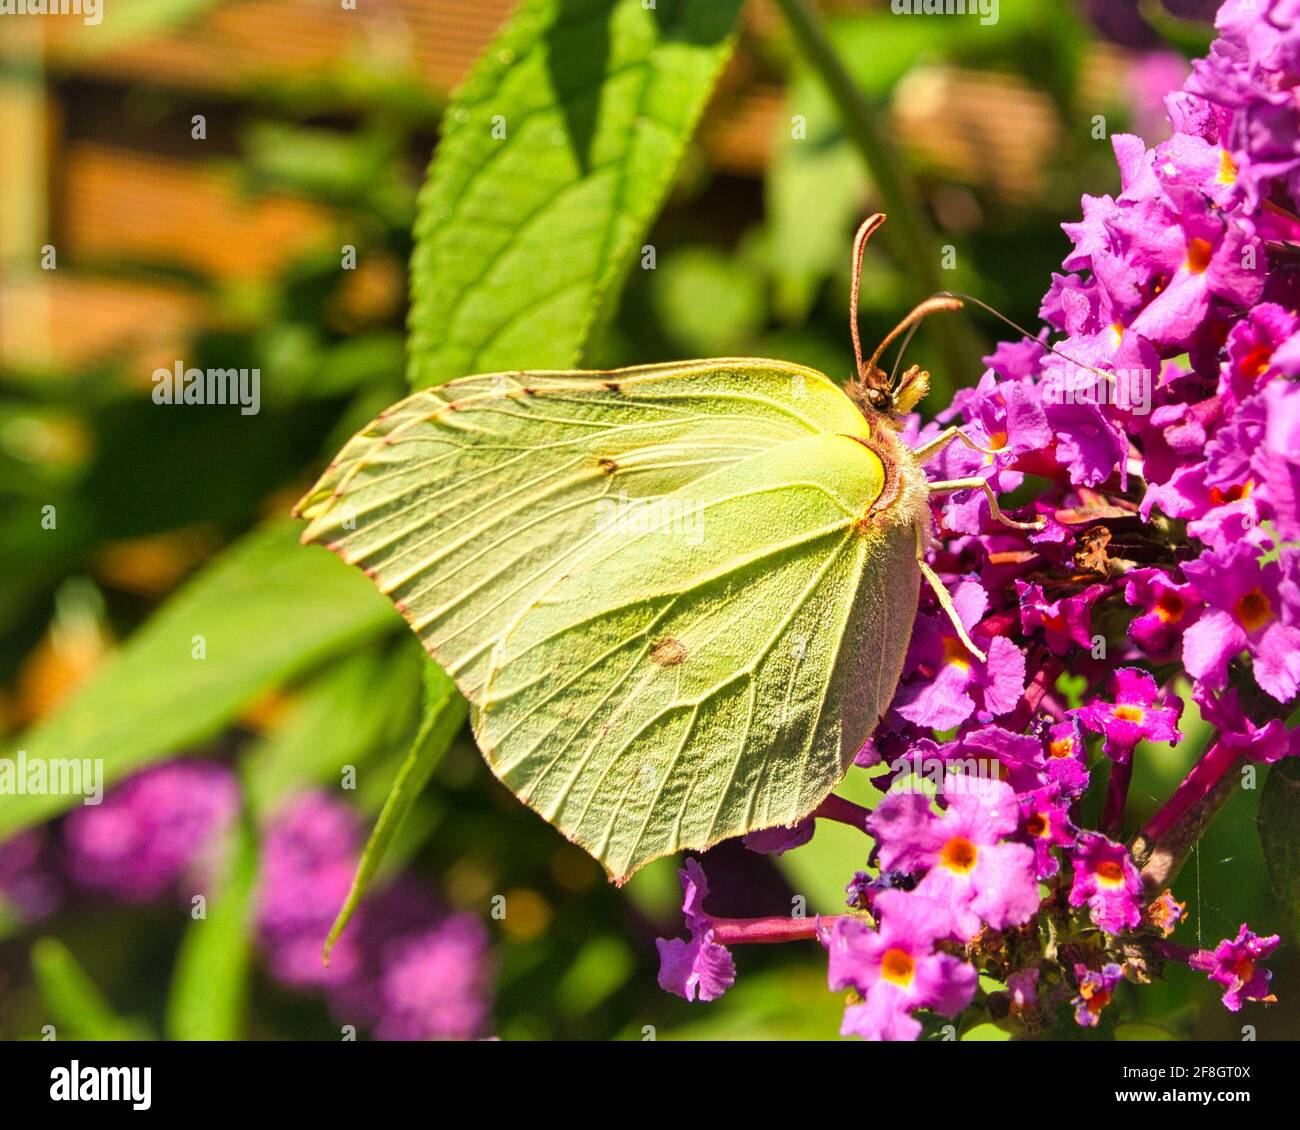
<point x="1107" y="881"/>
<point x="1236" y="964"/>
<point x="896" y="967"/>
<point x="1244" y="614"/>
<point x="1134" y="715"/>
<point x="944" y="684"/>
<point x="698" y="964"/>
<point x="1045" y="821"/>
<point x="967" y="867"/>
<point x="1065" y="623"/>
<point x="1168" y="610"/>
<point x="1096" y="990"/>
<point x="1263" y="744"/>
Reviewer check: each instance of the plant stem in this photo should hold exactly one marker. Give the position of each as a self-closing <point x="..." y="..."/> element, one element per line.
<point x="766" y="931"/>
<point x="1112" y="813"/>
<point x="1196" y="786"/>
<point x="843" y="812"/>
<point x="910" y="234"/>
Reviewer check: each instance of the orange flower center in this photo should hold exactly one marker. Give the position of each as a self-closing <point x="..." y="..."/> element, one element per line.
<point x="1062" y="747"/>
<point x="897" y="967"/>
<point x="1254" y="610"/>
<point x="1232" y="494"/>
<point x="1039" y="825"/>
<point x="1170" y="607"/>
<point x="1244" y="969"/>
<point x="1097" y="1000"/>
<point x="1256" y="362"/>
<point x="954" y="651"/>
<point x="1227" y="169"/>
<point x="1127" y="712"/>
<point x="1199" y="254"/>
<point x="959" y="855"/>
<point x="1110" y="873"/>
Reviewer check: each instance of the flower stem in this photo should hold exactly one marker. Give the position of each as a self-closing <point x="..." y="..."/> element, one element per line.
<point x="1172" y="951"/>
<point x="1112" y="813"/>
<point x="910" y="234"/>
<point x="1196" y="786"/>
<point x="766" y="931"/>
<point x="843" y="812"/>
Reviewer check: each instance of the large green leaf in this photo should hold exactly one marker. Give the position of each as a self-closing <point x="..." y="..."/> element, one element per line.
<point x="1279" y="833"/>
<point x="444" y="714"/>
<point x="556" y="155"/>
<point x="267" y="611"/>
<point x="210" y="985"/>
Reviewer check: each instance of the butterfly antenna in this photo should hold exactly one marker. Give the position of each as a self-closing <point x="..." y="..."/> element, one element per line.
<point x="1001" y="317"/>
<point x="902" y="350"/>
<point x="869" y="225"/>
<point x="936" y="302"/>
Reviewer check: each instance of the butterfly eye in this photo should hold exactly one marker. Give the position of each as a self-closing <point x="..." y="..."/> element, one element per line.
<point x="880" y="399"/>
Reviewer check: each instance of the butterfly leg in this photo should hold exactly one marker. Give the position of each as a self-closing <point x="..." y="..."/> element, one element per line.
<point x="945" y="600"/>
<point x="977" y="483"/>
<point x="943" y="439"/>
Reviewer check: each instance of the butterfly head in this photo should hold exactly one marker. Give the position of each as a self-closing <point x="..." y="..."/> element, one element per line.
<point x="881" y="394"/>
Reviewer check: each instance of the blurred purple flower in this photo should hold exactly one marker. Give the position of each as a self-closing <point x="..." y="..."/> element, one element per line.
<point x="402" y="966"/>
<point x="152" y="831"/>
<point x="29" y="884"/>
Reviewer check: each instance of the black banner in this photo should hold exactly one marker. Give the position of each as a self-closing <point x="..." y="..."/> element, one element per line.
<point x="345" y="1081"/>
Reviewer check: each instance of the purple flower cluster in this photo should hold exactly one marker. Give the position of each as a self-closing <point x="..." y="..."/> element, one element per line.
<point x="402" y="967"/>
<point x="152" y="833"/>
<point x="1160" y="418"/>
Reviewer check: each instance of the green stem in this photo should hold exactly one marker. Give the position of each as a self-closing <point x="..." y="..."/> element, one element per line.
<point x="908" y="233"/>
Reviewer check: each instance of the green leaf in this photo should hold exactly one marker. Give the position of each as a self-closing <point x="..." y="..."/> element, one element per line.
<point x="74" y="1003"/>
<point x="556" y="155"/>
<point x="362" y="706"/>
<point x="267" y="610"/>
<point x="1279" y="833"/>
<point x="445" y="712"/>
<point x="210" y="985"/>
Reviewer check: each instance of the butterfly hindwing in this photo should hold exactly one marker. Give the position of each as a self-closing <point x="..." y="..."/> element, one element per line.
<point x="708" y="675"/>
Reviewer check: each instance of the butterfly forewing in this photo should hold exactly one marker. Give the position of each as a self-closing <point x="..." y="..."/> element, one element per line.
<point x="465" y="502"/>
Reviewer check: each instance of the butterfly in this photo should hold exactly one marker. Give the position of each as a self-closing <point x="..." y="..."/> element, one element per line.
<point x="678" y="597"/>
